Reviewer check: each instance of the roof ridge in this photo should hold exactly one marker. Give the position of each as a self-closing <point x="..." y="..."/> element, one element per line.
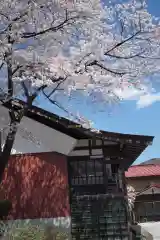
<point x="144" y="165"/>
<point x="17" y="103"/>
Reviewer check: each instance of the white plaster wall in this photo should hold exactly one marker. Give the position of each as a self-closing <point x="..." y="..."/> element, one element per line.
<point x="40" y="138"/>
<point x="153" y="228"/>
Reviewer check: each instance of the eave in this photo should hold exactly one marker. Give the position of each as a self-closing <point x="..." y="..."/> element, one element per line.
<point x="131" y="146"/>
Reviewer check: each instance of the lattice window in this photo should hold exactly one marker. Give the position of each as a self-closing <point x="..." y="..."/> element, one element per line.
<point x="87" y="172"/>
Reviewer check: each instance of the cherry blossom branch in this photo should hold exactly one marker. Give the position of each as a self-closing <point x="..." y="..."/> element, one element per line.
<point x="2" y="64"/>
<point x="35" y="94"/>
<point x="61" y="80"/>
<point x="16" y="69"/>
<point x="12" y="21"/>
<point x="98" y="64"/>
<point x="52" y="28"/>
<point x="122" y="42"/>
<point x="125" y="57"/>
<point x="109" y="54"/>
<point x="62" y="108"/>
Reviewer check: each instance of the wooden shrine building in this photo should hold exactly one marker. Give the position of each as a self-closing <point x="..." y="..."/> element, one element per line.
<point x="95" y="163"/>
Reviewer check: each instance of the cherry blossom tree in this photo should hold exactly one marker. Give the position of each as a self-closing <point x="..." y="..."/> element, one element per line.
<point x="56" y="47"/>
<point x="32" y="35"/>
<point x="131" y="196"/>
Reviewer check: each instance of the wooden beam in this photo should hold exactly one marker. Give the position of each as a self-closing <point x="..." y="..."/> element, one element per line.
<point x="112" y="160"/>
<point x="107" y="149"/>
<point x="78" y="158"/>
<point x="89" y="145"/>
<point x="104" y="168"/>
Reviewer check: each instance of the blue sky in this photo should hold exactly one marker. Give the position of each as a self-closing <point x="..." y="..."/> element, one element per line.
<point x="124" y="117"/>
<point x="154" y="7"/>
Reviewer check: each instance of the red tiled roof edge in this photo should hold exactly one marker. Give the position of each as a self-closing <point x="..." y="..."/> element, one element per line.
<point x="143" y="171"/>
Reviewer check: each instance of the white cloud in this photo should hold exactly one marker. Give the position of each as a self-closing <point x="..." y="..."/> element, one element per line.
<point x="147" y="100"/>
<point x="144" y="97"/>
<point x="128" y="93"/>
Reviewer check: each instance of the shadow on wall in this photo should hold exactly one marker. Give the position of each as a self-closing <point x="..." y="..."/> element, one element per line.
<point x="37" y="186"/>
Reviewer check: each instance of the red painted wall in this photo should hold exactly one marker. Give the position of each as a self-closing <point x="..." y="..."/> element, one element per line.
<point x="37" y="185"/>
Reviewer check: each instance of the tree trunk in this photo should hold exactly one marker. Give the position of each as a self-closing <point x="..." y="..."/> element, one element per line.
<point x="16" y="118"/>
<point x="5" y="154"/>
<point x="8" y="145"/>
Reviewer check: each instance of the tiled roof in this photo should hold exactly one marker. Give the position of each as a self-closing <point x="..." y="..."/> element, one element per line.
<point x="143" y="171"/>
<point x="77" y="130"/>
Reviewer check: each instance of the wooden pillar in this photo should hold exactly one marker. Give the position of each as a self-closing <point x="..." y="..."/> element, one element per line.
<point x="0" y="143"/>
<point x="105" y="172"/>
